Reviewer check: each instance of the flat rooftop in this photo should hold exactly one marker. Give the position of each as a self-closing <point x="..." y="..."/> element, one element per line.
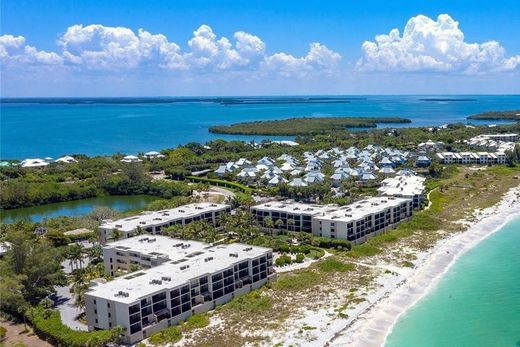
<point x="156" y="245"/>
<point x="405" y="185"/>
<point x="362" y="208"/>
<point x="174" y="273"/>
<point x="152" y="218"/>
<point x="352" y="211"/>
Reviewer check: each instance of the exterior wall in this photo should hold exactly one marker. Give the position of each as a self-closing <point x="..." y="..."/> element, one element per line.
<point x="115" y="259"/>
<point x="302" y="221"/>
<point x="166" y="307"/>
<point x="467" y="158"/>
<point x="209" y="216"/>
<point x="354" y="231"/>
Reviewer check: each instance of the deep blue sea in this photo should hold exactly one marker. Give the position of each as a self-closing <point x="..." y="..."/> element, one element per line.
<point x="95" y="127"/>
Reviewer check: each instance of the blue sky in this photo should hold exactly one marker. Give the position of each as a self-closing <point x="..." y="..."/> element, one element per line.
<point x="283" y="47"/>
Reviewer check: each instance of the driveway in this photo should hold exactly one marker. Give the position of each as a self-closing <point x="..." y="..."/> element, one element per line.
<point x="64" y="302"/>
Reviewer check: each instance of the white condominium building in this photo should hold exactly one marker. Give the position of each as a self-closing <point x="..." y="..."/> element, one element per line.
<point x="153" y="222"/>
<point x="404" y="186"/>
<point x="485" y="158"/>
<point x="190" y="277"/>
<point x="355" y="222"/>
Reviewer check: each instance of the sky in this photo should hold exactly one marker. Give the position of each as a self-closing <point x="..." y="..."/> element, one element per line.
<point x="177" y="48"/>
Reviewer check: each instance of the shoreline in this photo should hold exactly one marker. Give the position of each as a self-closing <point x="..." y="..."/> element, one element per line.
<point x="372" y="324"/>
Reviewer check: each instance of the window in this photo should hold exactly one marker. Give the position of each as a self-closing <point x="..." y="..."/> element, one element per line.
<point x="135" y="328"/>
<point x="133" y="309"/>
<point x="174" y="293"/>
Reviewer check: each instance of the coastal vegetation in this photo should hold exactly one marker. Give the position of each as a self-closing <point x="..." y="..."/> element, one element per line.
<point x="497" y="115"/>
<point x="304" y="126"/>
<point x="98" y="176"/>
<point x="91" y="177"/>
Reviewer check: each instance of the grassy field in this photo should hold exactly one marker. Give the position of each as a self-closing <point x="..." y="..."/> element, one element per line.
<point x="303" y="126"/>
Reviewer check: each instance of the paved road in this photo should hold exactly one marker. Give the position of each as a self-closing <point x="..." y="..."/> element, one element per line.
<point x="65" y="304"/>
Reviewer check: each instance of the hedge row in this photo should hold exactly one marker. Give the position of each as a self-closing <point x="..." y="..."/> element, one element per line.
<point x="48" y="326"/>
<point x="222" y="183"/>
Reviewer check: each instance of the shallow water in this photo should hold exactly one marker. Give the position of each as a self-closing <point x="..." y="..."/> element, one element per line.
<point x="74" y="208"/>
<point x="95" y="128"/>
<point x="476" y="303"/>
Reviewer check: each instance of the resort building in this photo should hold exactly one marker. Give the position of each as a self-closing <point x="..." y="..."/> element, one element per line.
<point x="485" y="158"/>
<point x="190" y="277"/>
<point x="34" y="163"/>
<point x="355" y="222"/>
<point x="406" y="185"/>
<point x="153" y="222"/>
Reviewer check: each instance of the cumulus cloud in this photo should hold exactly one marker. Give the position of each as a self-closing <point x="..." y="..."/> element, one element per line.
<point x="99" y="47"/>
<point x="433" y="45"/>
<point x="319" y="58"/>
<point x="13" y="50"/>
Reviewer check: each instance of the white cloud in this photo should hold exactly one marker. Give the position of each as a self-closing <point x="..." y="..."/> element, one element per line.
<point x="13" y="51"/>
<point x="319" y="58"/>
<point x="429" y="45"/>
<point x="99" y="47"/>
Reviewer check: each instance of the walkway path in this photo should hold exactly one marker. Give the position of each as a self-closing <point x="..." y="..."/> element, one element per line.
<point x="65" y="304"/>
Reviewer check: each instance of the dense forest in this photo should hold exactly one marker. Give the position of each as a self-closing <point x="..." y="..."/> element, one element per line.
<point x="497" y="115"/>
<point x="303" y="126"/>
<point x="98" y="176"/>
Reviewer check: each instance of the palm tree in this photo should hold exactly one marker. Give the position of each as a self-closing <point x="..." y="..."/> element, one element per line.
<point x="279" y="223"/>
<point x="95" y="254"/>
<point x="269" y="223"/>
<point x="117" y="333"/>
<point x="75" y="255"/>
<point x="290" y="224"/>
<point x="117" y="234"/>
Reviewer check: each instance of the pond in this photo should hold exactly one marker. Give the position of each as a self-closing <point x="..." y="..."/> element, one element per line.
<point x="75" y="208"/>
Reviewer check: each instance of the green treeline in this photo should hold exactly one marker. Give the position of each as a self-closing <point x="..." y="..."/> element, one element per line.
<point x="497" y="115"/>
<point x="26" y="188"/>
<point x="303" y="126"/>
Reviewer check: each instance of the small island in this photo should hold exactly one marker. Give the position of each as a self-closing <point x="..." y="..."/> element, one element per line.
<point x="303" y="125"/>
<point x="497" y="115"/>
<point x="447" y="99"/>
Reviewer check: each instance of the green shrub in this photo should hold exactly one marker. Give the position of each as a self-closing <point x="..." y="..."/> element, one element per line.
<point x="280" y="261"/>
<point x="196" y="321"/>
<point x="300" y="257"/>
<point x="253" y="301"/>
<point x="3" y="332"/>
<point x="332" y="264"/>
<point x="167" y="336"/>
<point x="48" y="326"/>
<point x="297" y="280"/>
<point x="284" y="247"/>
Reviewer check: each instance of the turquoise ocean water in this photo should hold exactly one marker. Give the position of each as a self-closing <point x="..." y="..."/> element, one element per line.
<point x="476" y="303"/>
<point x="98" y="127"/>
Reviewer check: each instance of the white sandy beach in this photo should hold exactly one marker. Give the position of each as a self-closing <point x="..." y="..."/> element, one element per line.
<point x="395" y="290"/>
<point x="373" y="321"/>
